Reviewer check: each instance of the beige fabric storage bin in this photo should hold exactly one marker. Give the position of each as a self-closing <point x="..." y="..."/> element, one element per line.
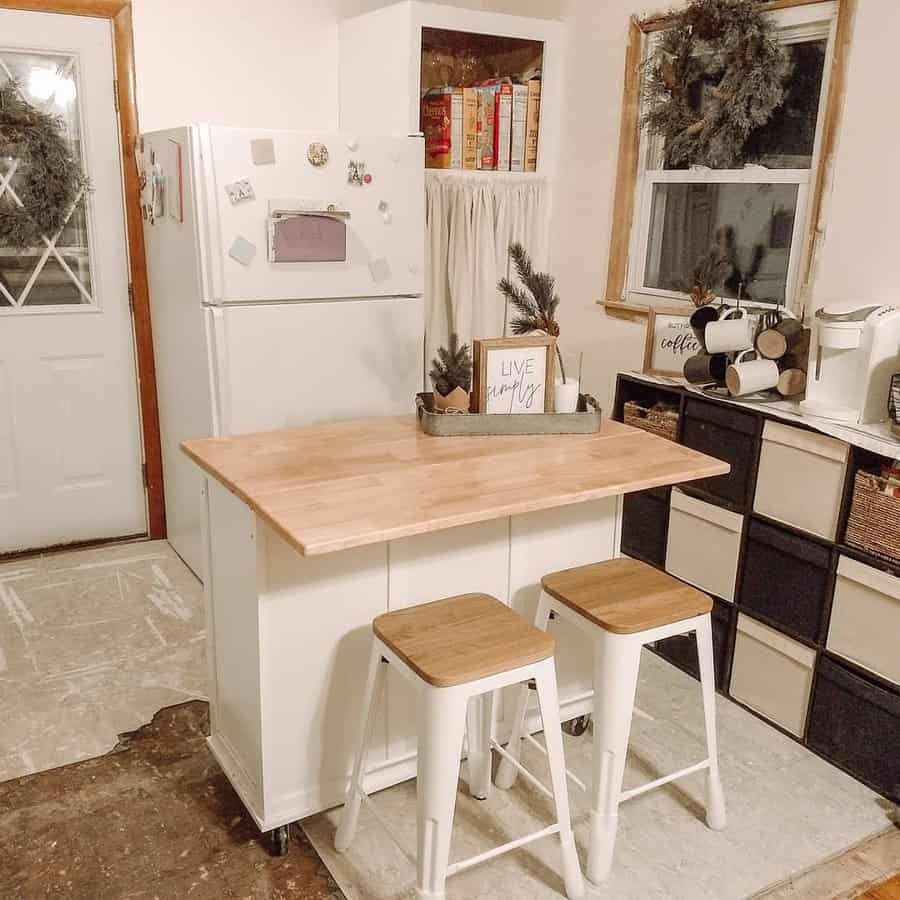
<point x="865" y="618"/>
<point x="704" y="543"/>
<point x="801" y="478"/>
<point x="772" y="674"/>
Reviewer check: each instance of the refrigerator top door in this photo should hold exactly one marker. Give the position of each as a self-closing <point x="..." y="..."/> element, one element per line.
<point x="385" y="229"/>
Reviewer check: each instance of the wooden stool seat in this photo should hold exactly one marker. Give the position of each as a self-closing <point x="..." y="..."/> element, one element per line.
<point x="626" y="596"/>
<point x="461" y="639"/>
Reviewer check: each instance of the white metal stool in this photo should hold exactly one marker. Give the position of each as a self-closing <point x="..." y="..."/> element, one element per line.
<point x="455" y="651"/>
<point x="623" y="604"/>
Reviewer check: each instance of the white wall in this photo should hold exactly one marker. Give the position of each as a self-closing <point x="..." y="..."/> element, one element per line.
<point x="261" y="63"/>
<point x="264" y="63"/>
<point x="860" y="258"/>
<point x="584" y="195"/>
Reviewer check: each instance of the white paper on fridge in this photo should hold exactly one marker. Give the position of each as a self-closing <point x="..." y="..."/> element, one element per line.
<point x="262" y="151"/>
<point x="242" y="250"/>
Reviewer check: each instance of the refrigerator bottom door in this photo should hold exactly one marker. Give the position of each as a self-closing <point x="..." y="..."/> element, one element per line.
<point x="281" y="365"/>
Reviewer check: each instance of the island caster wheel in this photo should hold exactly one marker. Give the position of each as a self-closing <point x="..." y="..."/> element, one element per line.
<point x="576" y="727"/>
<point x="280" y="840"/>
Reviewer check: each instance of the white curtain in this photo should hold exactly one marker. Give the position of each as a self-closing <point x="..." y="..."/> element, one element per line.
<point x="471" y="221"/>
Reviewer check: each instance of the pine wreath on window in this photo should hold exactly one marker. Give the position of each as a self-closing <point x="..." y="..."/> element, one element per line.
<point x="48" y="176"/>
<point x="716" y="73"/>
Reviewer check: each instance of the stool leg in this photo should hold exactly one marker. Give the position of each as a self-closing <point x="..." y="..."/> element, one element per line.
<point x="442" y="720"/>
<point x="617" y="659"/>
<point x="506" y="771"/>
<point x="350" y="815"/>
<point x="548" y="699"/>
<point x="479" y="721"/>
<point x="715" y="797"/>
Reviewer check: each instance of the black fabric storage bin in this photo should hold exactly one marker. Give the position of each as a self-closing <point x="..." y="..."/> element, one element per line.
<point x="727" y="434"/>
<point x="786" y="579"/>
<point x="645" y="523"/>
<point x="681" y="650"/>
<point x="855" y="724"/>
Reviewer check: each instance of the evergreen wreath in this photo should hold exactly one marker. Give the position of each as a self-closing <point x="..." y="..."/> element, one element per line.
<point x="714" y="75"/>
<point x="49" y="175"/>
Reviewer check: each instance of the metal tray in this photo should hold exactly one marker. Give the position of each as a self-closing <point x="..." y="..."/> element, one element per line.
<point x="585" y="421"/>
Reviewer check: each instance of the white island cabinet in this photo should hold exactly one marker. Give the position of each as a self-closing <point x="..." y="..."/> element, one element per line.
<point x="312" y="532"/>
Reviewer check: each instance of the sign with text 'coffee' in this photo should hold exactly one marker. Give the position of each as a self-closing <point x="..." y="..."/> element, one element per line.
<point x="514" y="375"/>
<point x="670" y="341"/>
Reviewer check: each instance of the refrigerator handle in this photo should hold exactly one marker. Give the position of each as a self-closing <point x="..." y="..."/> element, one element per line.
<point x="220" y="393"/>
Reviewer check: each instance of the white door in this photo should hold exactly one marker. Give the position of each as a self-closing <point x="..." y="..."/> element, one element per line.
<point x="70" y="448"/>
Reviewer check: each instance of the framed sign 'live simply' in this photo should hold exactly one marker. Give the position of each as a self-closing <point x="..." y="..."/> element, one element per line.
<point x="670" y="341"/>
<point x="514" y="375"/>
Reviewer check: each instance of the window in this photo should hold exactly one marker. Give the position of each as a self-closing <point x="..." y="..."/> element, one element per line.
<point x="58" y="272"/>
<point x="758" y="214"/>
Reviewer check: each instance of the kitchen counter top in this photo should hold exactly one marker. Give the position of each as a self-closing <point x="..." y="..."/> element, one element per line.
<point x="332" y="487"/>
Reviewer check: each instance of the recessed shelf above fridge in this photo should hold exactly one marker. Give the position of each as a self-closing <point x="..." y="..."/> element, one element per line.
<point x="392" y="57"/>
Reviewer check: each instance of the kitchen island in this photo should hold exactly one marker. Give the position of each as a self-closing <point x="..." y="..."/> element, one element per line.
<point x="312" y="532"/>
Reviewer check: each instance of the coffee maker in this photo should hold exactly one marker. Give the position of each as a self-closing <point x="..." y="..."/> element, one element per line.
<point x="853" y="354"/>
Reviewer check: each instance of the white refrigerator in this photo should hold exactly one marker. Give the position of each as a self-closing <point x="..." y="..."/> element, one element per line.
<point x="286" y="274"/>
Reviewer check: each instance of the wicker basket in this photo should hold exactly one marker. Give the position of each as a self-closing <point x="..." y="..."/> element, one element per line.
<point x="659" y="419"/>
<point x="874" y="523"/>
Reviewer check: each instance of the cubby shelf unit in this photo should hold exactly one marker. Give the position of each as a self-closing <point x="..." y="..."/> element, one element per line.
<point x="381" y="66"/>
<point x="793" y="645"/>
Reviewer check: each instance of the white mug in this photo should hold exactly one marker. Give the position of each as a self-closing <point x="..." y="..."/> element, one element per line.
<point x="732" y="331"/>
<point x="746" y="377"/>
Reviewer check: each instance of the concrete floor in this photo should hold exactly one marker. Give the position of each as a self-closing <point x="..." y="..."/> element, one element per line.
<point x="92" y="644"/>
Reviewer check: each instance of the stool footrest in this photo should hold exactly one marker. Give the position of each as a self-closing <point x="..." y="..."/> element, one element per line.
<point x="659" y="782"/>
<point x="463" y="864"/>
<point x="569" y="773"/>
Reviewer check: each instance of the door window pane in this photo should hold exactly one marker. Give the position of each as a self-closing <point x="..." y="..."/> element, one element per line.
<point x="752" y="224"/>
<point x="32" y="277"/>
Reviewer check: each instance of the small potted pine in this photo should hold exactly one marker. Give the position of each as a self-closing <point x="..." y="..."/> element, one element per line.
<point x="451" y="377"/>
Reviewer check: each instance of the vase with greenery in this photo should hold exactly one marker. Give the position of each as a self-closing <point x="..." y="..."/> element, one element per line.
<point x="451" y="377"/>
<point x="535" y="302"/>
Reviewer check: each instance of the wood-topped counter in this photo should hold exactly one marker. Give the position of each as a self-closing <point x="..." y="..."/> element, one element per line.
<point x="332" y="487"/>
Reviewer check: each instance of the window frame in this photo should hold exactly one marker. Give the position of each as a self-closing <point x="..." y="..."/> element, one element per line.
<point x="626" y="295"/>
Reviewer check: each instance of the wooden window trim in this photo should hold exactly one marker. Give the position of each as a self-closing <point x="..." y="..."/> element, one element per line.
<point x="119" y="13"/>
<point x="615" y="302"/>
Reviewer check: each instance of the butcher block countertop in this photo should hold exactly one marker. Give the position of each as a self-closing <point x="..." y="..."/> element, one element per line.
<point x="332" y="487"/>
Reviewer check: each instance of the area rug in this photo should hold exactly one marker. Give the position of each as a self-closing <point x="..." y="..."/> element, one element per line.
<point x="787" y="810"/>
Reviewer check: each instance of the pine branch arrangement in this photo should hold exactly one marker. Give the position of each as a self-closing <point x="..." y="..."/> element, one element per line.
<point x="535" y="300"/>
<point x="709" y="272"/>
<point x="452" y="367"/>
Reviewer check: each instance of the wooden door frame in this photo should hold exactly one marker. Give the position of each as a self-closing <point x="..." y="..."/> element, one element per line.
<point x="119" y="14"/>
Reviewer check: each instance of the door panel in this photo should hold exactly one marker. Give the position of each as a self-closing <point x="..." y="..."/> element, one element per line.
<point x="70" y="451"/>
